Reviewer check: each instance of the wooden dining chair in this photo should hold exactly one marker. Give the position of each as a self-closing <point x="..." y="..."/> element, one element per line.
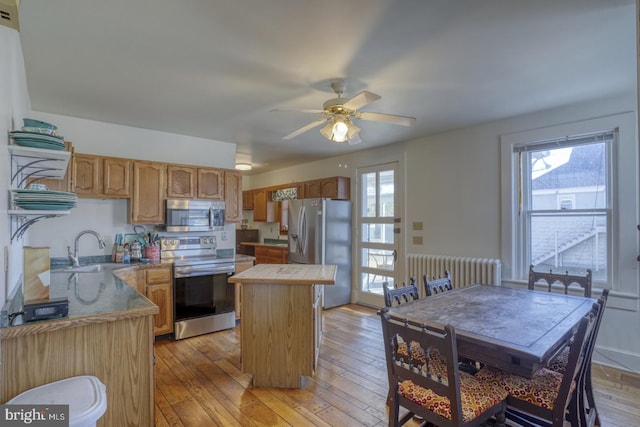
<point x="565" y="280"/>
<point x="446" y="398"/>
<point x="582" y="398"/>
<point x="393" y="295"/>
<point x="544" y="399"/>
<point x="437" y="285"/>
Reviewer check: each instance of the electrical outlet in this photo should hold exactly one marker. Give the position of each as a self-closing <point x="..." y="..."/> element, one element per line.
<point x="224" y="235"/>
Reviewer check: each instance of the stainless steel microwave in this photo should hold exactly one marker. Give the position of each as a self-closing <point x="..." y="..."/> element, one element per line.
<point x="194" y="215"/>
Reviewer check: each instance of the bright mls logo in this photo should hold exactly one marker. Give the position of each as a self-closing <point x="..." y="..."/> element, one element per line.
<point x="34" y="415"/>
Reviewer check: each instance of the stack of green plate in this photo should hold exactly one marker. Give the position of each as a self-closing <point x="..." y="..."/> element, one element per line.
<point x="37" y="140"/>
<point x="44" y="200"/>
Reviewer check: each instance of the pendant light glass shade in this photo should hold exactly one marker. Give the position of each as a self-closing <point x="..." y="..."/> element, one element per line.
<point x="340" y="129"/>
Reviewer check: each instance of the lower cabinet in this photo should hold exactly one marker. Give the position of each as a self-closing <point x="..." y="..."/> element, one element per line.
<point x="240" y="267"/>
<point x="271" y="255"/>
<point x="158" y="287"/>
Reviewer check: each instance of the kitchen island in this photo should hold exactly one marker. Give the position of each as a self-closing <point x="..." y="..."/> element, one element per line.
<point x="281" y="323"/>
<point x="108" y="333"/>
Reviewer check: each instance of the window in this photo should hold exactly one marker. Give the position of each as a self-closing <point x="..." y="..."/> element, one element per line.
<point x="569" y="197"/>
<point x="565" y="214"/>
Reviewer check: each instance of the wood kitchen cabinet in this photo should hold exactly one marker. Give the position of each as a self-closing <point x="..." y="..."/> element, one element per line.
<point x="211" y="184"/>
<point x="116" y="177"/>
<point x="232" y="198"/>
<point x="148" y="195"/>
<point x="271" y="254"/>
<point x="337" y="187"/>
<point x="264" y="209"/>
<point x="247" y="200"/>
<point x="158" y="287"/>
<point x="86" y="175"/>
<point x="100" y="177"/>
<point x="181" y="182"/>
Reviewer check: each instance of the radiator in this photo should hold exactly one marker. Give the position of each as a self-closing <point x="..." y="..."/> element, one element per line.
<point x="464" y="271"/>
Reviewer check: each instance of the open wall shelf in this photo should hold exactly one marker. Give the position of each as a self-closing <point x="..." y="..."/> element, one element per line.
<point x="26" y="163"/>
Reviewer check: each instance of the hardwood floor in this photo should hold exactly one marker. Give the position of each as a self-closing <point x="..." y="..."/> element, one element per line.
<point x="199" y="382"/>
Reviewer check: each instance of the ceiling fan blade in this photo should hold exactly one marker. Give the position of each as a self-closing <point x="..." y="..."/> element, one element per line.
<point x="386" y="118"/>
<point x="360" y="100"/>
<point x="306" y="128"/>
<point x="278" y="110"/>
<point x="355" y="139"/>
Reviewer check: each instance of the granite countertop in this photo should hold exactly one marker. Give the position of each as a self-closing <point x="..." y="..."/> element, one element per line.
<point x="303" y="274"/>
<point x="93" y="297"/>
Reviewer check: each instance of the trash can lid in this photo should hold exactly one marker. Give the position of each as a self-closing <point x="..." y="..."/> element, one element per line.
<point x="85" y="395"/>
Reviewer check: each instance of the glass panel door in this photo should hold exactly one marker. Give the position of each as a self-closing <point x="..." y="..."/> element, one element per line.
<point x="377" y="241"/>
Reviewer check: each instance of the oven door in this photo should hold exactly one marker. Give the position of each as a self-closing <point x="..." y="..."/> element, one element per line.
<point x="202" y="295"/>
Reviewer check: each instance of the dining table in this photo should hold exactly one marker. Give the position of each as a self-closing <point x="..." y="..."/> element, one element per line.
<point x="517" y="330"/>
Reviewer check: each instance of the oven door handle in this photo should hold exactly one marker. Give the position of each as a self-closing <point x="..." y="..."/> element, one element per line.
<point x="191" y="272"/>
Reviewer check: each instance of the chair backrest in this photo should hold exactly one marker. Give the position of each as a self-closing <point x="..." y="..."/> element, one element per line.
<point x="428" y="375"/>
<point x="583" y="389"/>
<point x="399" y="295"/>
<point x="578" y="354"/>
<point x="437" y="285"/>
<point x="565" y="280"/>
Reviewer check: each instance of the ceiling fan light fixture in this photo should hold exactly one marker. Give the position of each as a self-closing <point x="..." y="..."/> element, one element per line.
<point x="244" y="166"/>
<point x="340" y="129"/>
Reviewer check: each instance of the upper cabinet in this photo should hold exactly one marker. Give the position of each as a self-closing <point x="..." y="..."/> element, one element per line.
<point x="100" y="177"/>
<point x="86" y="177"/>
<point x="233" y="201"/>
<point x="337" y="187"/>
<point x="181" y="181"/>
<point x="247" y="200"/>
<point x="212" y="184"/>
<point x="195" y="183"/>
<point x="149" y="188"/>
<point x="149" y="184"/>
<point x="116" y="177"/>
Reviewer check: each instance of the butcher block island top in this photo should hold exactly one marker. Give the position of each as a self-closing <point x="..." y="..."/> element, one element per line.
<point x="281" y="326"/>
<point x="302" y="274"/>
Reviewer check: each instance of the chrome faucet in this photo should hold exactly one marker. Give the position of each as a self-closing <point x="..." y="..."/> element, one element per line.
<point x="75" y="257"/>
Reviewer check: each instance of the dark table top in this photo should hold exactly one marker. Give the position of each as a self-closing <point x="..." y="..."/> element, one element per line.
<point x="513" y="329"/>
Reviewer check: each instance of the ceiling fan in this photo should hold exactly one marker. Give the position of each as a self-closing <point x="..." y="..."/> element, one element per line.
<point x="339" y="112"/>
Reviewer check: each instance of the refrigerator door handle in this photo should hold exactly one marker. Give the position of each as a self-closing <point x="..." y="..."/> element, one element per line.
<point x="302" y="242"/>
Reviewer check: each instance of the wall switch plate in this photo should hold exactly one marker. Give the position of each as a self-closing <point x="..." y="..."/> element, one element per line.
<point x="224" y="235"/>
<point x="417" y="226"/>
<point x="417" y="240"/>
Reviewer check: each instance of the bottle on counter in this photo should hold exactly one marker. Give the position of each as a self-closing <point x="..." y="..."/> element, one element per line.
<point x="126" y="258"/>
<point x="136" y="251"/>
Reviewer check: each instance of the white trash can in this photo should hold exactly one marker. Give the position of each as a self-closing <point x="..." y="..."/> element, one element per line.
<point x="85" y="395"/>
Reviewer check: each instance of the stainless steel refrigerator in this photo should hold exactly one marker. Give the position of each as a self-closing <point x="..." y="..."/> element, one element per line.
<point x="320" y="233"/>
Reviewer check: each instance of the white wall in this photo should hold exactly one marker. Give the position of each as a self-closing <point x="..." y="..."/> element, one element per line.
<point x="106" y="139"/>
<point x="14" y="106"/>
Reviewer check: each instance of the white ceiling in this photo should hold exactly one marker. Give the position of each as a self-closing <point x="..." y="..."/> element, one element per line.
<point x="215" y="68"/>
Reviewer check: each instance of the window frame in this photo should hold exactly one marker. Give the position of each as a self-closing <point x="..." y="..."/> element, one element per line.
<point x="623" y="273"/>
<point x="528" y="212"/>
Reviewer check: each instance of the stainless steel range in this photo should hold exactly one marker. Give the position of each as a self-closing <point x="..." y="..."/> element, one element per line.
<point x="203" y="299"/>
